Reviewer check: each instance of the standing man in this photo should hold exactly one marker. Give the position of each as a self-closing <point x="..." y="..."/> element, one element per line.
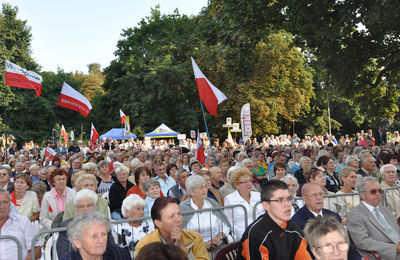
<point x="273" y="235"/>
<point x="380" y="136"/>
<point x="166" y="182"/>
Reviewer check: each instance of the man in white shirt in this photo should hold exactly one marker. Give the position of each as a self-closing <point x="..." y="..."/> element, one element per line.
<point x="17" y="226"/>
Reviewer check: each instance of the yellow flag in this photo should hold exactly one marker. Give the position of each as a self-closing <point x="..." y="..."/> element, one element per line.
<point x="127" y="126"/>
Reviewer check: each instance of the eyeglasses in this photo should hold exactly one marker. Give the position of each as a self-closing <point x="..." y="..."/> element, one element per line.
<point x="329" y="248"/>
<point x="282" y="200"/>
<point x="374" y="191"/>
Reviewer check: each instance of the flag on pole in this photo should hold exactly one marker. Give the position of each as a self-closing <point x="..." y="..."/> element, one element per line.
<point x="49" y="153"/>
<point x="22" y="78"/>
<point x="230" y="140"/>
<point x="210" y="95"/>
<point x="199" y="150"/>
<point x="94" y="135"/>
<point x="122" y="115"/>
<point x="65" y="134"/>
<point x="127" y="126"/>
<point x="72" y="99"/>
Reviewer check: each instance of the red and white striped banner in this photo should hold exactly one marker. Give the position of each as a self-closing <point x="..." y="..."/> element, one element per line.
<point x="72" y="99"/>
<point x="22" y="78"/>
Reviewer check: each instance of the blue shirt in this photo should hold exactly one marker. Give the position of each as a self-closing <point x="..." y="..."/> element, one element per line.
<point x="165" y="186"/>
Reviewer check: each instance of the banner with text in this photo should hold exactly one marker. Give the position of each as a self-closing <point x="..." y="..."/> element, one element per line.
<point x="246" y="122"/>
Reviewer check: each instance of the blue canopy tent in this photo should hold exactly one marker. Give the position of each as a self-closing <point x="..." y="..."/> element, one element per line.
<point x="162" y="131"/>
<point x="117" y="134"/>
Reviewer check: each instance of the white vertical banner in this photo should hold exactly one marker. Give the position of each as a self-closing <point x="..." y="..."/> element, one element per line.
<point x="246" y="122"/>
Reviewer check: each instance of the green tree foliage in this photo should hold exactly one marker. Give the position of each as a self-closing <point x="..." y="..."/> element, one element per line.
<point x="152" y="79"/>
<point x="93" y="82"/>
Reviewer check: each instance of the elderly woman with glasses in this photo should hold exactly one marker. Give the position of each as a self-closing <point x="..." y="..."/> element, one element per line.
<point x="242" y="180"/>
<point x="128" y="234"/>
<point x="5" y="182"/>
<point x="213" y="226"/>
<point x="327" y="238"/>
<point x="86" y="181"/>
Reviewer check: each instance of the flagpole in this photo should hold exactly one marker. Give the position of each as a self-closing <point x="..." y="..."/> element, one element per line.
<point x="5" y="111"/>
<point x="208" y="134"/>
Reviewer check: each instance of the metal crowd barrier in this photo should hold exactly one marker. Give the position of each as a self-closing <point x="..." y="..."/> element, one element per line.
<point x="391" y="199"/>
<point x="19" y="246"/>
<point x="52" y="234"/>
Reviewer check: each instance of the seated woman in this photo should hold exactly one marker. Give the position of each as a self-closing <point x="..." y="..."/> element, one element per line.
<point x="55" y="200"/>
<point x="5" y="176"/>
<point x="213" y="226"/>
<point x="292" y="184"/>
<point x="104" y="179"/>
<point x="348" y="175"/>
<point x="142" y="174"/>
<point x="279" y="170"/>
<point x="88" y="235"/>
<point x="327" y="238"/>
<point x="304" y="171"/>
<point x="242" y="180"/>
<point x="86" y="181"/>
<point x="25" y="200"/>
<point x="127" y="235"/>
<point x="152" y="189"/>
<point x="118" y="191"/>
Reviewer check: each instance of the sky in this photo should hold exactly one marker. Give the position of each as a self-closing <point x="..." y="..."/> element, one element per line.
<point x="72" y="34"/>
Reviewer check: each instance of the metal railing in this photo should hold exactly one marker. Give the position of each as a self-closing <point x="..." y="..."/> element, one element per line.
<point x="391" y="199"/>
<point x="19" y="246"/>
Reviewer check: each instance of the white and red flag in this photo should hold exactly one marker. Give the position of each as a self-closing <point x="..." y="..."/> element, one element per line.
<point x="65" y="134"/>
<point x="210" y="95"/>
<point x="199" y="150"/>
<point x="49" y="153"/>
<point x="72" y="99"/>
<point x="123" y="116"/>
<point x="22" y="78"/>
<point x="94" y="135"/>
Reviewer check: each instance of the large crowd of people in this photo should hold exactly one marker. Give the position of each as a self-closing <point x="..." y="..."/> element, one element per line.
<point x="284" y="183"/>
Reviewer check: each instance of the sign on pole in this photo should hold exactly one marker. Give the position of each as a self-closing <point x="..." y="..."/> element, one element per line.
<point x="181" y="136"/>
<point x="192" y="134"/>
<point x="246" y="122"/>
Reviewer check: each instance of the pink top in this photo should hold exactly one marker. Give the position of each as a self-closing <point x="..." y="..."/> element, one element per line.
<point x="60" y="200"/>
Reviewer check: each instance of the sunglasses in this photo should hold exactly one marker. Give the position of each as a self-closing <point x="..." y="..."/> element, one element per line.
<point x="374" y="191"/>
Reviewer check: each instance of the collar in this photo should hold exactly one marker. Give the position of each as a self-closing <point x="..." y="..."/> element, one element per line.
<point x="316" y="214"/>
<point x="369" y="207"/>
<point x="55" y="194"/>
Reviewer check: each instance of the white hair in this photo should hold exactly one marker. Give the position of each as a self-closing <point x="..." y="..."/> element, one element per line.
<point x="129" y="202"/>
<point x="193" y="181"/>
<point x="121" y="168"/>
<point x="85" y="193"/>
<point x="383" y="168"/>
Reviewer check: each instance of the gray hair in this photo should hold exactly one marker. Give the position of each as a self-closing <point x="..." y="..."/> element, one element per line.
<point x="90" y="166"/>
<point x="85" y="193"/>
<point x="6" y="167"/>
<point x="180" y="171"/>
<point x="121" y="168"/>
<point x="136" y="163"/>
<point x="305" y="158"/>
<point x="317" y="228"/>
<point x="351" y="158"/>
<point x="78" y="224"/>
<point x="193" y="181"/>
<point x="149" y="183"/>
<point x="364" y="182"/>
<point x="101" y="163"/>
<point x="228" y="173"/>
<point x="364" y="155"/>
<point x="383" y="168"/>
<point x="291" y="177"/>
<point x="129" y="202"/>
<point x="39" y="187"/>
<point x="242" y="163"/>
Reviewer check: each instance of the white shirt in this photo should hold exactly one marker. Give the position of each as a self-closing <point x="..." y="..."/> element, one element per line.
<point x="29" y="204"/>
<point x="20" y="227"/>
<point x="236" y="215"/>
<point x="371" y="208"/>
<point x="206" y="223"/>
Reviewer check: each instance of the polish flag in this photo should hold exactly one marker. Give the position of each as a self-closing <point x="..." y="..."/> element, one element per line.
<point x="22" y="78"/>
<point x="94" y="135"/>
<point x="122" y="115"/>
<point x="199" y="150"/>
<point x="210" y="95"/>
<point x="65" y="134"/>
<point x="72" y="99"/>
<point x="49" y="153"/>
